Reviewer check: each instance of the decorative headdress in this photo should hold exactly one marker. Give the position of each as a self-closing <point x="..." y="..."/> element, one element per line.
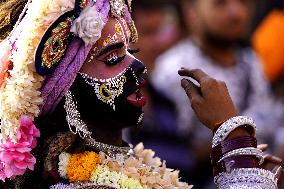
<point x="40" y="60"/>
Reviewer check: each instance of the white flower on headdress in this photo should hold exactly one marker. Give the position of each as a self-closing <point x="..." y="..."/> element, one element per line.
<point x="89" y="25"/>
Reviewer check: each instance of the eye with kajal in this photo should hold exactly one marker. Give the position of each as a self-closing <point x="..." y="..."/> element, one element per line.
<point x="133" y="51"/>
<point x="114" y="59"/>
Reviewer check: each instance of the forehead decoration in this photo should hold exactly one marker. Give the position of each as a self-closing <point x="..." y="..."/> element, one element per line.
<point x="86" y="21"/>
<point x="121" y="31"/>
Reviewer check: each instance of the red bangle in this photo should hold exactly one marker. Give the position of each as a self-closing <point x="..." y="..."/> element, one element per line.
<point x="231" y="144"/>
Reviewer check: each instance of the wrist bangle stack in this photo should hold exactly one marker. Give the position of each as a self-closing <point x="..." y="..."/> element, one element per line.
<point x="253" y="178"/>
<point x="226" y="128"/>
<point x="230" y="145"/>
<point x="245" y="152"/>
<point x="224" y="161"/>
<point x="236" y="161"/>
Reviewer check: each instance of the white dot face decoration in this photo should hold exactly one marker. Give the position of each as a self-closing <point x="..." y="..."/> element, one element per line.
<point x="107" y="90"/>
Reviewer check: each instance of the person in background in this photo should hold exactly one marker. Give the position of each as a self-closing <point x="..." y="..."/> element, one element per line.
<point x="219" y="28"/>
<point x="268" y="40"/>
<point x="156" y="35"/>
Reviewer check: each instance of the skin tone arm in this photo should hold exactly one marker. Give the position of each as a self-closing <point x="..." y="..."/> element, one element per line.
<point x="213" y="105"/>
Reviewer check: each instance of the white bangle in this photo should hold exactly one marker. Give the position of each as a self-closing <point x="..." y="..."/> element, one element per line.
<point x="253" y="178"/>
<point x="250" y="151"/>
<point x="230" y="125"/>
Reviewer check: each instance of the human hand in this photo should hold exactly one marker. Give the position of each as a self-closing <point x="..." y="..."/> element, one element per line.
<point x="211" y="101"/>
<point x="272" y="163"/>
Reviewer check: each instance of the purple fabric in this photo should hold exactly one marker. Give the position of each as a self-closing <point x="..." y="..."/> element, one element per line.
<point x="56" y="84"/>
<point x="103" y="7"/>
<point x="100" y="4"/>
<point x="127" y="15"/>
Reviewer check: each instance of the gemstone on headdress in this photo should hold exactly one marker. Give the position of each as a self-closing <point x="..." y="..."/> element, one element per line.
<point x="84" y="3"/>
<point x="55" y="46"/>
<point x="117" y="7"/>
<point x="54" y="43"/>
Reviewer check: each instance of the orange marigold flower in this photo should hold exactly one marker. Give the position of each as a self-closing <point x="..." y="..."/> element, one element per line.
<point x="81" y="166"/>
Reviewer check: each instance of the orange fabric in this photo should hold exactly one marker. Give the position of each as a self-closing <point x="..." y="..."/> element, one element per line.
<point x="268" y="41"/>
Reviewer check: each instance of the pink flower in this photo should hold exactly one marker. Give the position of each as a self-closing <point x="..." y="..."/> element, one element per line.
<point x="2" y="172"/>
<point x="28" y="131"/>
<point x="16" y="158"/>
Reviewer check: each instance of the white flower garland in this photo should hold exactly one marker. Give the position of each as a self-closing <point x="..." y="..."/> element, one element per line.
<point x="103" y="176"/>
<point x="143" y="171"/>
<point x="21" y="94"/>
<point x="63" y="164"/>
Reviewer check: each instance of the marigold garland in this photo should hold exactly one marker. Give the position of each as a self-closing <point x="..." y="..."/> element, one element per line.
<point x="81" y="166"/>
<point x="141" y="170"/>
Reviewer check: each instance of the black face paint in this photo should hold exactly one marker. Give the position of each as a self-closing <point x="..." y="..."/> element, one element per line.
<point x="107" y="99"/>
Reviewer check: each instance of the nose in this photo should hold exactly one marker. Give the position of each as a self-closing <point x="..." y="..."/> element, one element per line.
<point x="139" y="71"/>
<point x="235" y="9"/>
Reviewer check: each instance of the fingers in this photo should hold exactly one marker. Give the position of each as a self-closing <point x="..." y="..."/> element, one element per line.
<point x="196" y="74"/>
<point x="272" y="159"/>
<point x="190" y="89"/>
<point x="263" y="147"/>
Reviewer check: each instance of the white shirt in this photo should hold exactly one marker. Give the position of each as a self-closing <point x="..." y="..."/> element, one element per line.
<point x="245" y="81"/>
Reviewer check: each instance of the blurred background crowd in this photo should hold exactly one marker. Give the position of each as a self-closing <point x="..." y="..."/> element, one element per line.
<point x="238" y="41"/>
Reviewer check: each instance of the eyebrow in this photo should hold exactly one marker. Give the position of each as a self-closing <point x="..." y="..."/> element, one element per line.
<point x="110" y="47"/>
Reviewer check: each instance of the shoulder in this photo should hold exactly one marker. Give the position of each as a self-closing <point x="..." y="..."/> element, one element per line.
<point x="173" y="59"/>
<point x="250" y="57"/>
<point x="178" y="53"/>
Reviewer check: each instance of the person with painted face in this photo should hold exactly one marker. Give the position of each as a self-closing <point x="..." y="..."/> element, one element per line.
<point x="71" y="84"/>
<point x="81" y="87"/>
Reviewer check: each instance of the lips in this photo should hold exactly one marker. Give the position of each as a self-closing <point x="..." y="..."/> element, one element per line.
<point x="137" y="99"/>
